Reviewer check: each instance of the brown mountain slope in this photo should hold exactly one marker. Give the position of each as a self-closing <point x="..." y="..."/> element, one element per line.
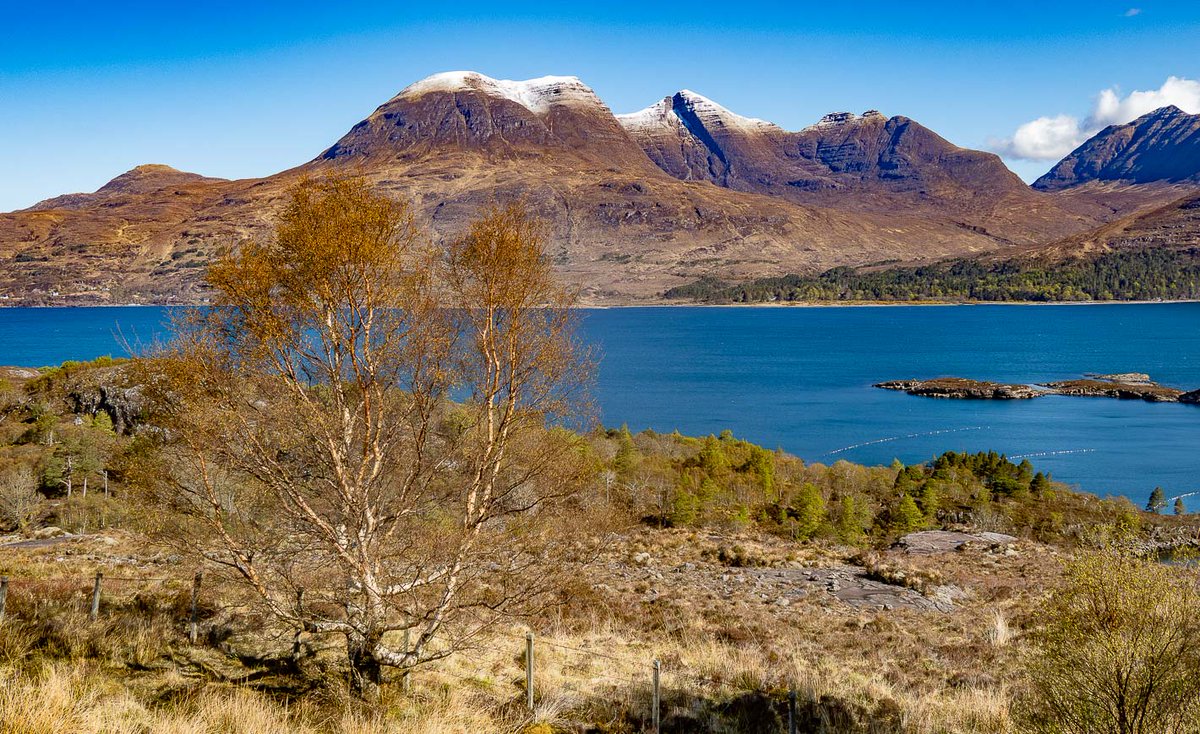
<point x="623" y="228"/>
<point x="1174" y="225"/>
<point x="1162" y="146"/>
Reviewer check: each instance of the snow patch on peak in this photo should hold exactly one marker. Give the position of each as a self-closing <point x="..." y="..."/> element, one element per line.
<point x="665" y="114"/>
<point x="709" y="111"/>
<point x="536" y="95"/>
<point x="656" y="115"/>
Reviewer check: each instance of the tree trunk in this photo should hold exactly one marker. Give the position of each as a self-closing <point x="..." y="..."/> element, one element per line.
<point x="366" y="673"/>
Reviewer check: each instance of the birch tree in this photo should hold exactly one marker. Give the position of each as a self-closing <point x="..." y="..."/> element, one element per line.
<point x="361" y="427"/>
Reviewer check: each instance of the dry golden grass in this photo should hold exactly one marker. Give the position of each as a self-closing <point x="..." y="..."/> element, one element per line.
<point x="856" y="670"/>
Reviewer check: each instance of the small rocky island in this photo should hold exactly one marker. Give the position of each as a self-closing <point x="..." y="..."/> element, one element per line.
<point x="1124" y="386"/>
<point x="962" y="388"/>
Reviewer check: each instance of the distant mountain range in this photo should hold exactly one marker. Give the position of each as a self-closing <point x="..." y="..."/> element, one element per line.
<point x="638" y="203"/>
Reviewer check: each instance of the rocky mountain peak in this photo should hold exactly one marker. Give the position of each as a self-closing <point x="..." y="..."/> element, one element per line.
<point x="536" y="95"/>
<point x="465" y="111"/>
<point x="1162" y="146"/>
<point x="837" y="119"/>
<point x="1165" y="113"/>
<point x="691" y="110"/>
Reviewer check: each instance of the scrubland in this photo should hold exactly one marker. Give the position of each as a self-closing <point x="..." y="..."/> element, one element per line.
<point x="747" y="573"/>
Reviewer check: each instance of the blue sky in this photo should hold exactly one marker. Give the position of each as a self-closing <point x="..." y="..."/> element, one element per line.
<point x="89" y="90"/>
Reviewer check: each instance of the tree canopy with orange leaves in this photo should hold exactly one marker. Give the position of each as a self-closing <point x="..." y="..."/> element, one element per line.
<point x="361" y="428"/>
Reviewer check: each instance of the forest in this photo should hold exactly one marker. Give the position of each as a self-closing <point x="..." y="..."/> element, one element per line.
<point x="1136" y="274"/>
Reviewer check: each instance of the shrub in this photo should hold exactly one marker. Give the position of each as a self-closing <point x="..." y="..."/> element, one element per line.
<point x="1118" y="651"/>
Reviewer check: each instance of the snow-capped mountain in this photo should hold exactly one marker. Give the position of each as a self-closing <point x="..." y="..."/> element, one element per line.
<point x="636" y="203"/>
<point x="467" y="110"/>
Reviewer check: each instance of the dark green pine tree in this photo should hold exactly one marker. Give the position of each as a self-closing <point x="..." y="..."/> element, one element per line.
<point x="1157" y="502"/>
<point x="1039" y="484"/>
<point x="1179" y="508"/>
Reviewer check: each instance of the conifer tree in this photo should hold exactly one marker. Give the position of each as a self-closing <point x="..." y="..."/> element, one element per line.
<point x="810" y="511"/>
<point x="907" y="517"/>
<point x="1157" y="502"/>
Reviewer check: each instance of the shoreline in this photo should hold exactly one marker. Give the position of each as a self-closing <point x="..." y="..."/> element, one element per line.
<point x="669" y="304"/>
<point x="883" y="304"/>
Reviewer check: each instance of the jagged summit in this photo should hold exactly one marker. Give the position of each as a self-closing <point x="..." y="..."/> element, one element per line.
<point x="834" y="119"/>
<point x="469" y="112"/>
<point x="684" y="103"/>
<point x="711" y="112"/>
<point x="1164" y="112"/>
<point x="536" y="95"/>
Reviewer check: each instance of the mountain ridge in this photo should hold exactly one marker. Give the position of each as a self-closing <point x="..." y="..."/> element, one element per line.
<point x="720" y="194"/>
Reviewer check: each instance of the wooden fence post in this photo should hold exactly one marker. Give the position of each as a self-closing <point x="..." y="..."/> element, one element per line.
<point x="95" y="611"/>
<point x="529" y="670"/>
<point x="406" y="677"/>
<point x="792" y="710"/>
<point x="3" y="595"/>
<point x="300" y="630"/>
<point x="194" y="619"/>
<point x="657" y="699"/>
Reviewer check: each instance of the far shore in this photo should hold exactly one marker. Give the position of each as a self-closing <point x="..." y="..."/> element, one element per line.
<point x="690" y="304"/>
<point x="876" y="304"/>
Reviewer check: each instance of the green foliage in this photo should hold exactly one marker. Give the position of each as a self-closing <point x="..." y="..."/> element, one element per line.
<point x="1157" y="502"/>
<point x="808" y="513"/>
<point x="685" y="508"/>
<point x="712" y="459"/>
<point x="1131" y="274"/>
<point x="1118" y="651"/>
<point x="626" y="457"/>
<point x="930" y="499"/>
<point x="723" y="481"/>
<point x="762" y="465"/>
<point x="906" y="517"/>
<point x="1039" y="485"/>
<point x="853" y="518"/>
<point x="1180" y="509"/>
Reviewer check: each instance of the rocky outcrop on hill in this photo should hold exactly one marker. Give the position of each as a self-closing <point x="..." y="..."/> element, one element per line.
<point x="107" y="391"/>
<point x="928" y="542"/>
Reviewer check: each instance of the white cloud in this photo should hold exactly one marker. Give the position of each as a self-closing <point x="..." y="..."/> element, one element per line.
<point x="1111" y="109"/>
<point x="1046" y="138"/>
<point x="1132" y="12"/>
<point x="1051" y="138"/>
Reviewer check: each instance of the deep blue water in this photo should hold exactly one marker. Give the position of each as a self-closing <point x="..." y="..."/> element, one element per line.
<point x="800" y="379"/>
